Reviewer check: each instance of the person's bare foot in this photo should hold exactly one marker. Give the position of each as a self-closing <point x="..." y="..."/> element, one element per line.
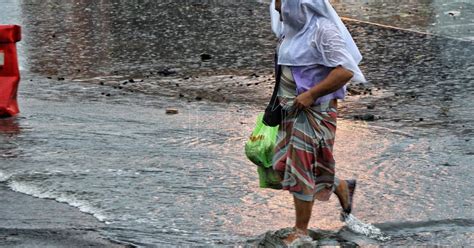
<point x="290" y="238"/>
<point x="296" y="234"/>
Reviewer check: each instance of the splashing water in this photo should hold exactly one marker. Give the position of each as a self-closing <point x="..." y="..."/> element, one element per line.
<point x="368" y="230"/>
<point x="3" y="177"/>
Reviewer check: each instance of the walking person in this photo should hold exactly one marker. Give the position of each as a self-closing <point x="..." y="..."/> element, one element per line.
<point x="317" y="57"/>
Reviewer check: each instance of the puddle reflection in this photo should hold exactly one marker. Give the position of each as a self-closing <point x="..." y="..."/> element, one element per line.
<point x="10" y="126"/>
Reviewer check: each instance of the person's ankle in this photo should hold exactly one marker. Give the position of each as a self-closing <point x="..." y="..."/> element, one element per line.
<point x="301" y="231"/>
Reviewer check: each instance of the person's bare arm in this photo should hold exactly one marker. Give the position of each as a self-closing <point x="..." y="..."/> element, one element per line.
<point x="336" y="79"/>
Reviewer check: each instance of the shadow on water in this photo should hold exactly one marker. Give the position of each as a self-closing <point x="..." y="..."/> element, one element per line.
<point x="450" y="232"/>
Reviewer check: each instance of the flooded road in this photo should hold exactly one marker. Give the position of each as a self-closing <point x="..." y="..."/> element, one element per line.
<point x="100" y="140"/>
<point x="222" y="51"/>
<point x="182" y="179"/>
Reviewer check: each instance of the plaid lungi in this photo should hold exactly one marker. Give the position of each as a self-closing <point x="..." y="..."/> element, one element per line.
<point x="304" y="148"/>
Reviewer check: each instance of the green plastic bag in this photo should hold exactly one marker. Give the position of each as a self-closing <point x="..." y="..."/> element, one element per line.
<point x="268" y="178"/>
<point x="260" y="149"/>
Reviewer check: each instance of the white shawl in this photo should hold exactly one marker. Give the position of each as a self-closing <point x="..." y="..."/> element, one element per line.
<point x="314" y="34"/>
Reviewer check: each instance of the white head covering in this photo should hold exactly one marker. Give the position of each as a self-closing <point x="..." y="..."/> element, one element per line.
<point x="315" y="34"/>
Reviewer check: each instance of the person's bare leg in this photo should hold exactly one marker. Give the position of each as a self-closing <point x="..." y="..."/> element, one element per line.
<point x="345" y="191"/>
<point x="342" y="192"/>
<point x="303" y="210"/>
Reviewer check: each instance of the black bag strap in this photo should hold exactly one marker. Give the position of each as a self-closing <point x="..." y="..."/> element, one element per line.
<point x="277" y="81"/>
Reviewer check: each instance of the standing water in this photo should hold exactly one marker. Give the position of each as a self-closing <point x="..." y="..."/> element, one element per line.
<point x="101" y="141"/>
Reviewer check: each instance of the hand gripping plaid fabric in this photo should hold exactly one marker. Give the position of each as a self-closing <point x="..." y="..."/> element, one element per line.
<point x="303" y="153"/>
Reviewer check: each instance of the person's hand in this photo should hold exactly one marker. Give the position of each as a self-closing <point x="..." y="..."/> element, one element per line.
<point x="304" y="100"/>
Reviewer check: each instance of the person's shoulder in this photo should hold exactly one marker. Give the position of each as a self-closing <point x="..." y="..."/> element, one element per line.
<point x="327" y="25"/>
<point x="328" y="31"/>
